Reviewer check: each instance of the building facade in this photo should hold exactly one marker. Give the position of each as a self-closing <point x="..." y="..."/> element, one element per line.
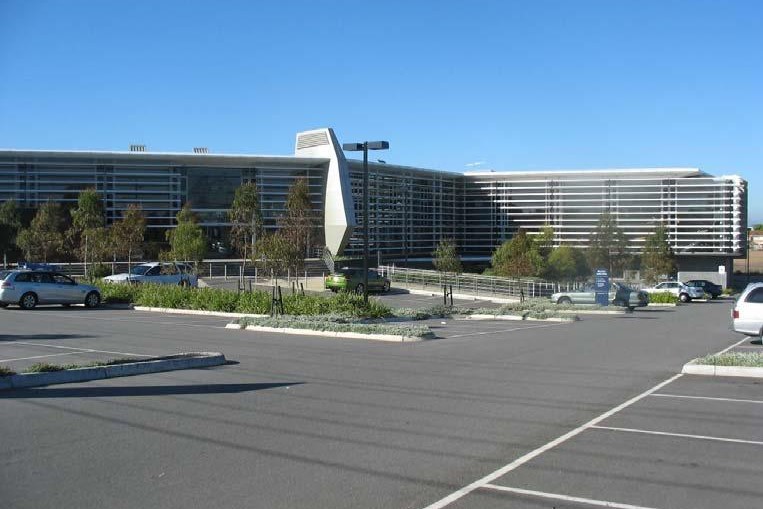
<point x="410" y="209"/>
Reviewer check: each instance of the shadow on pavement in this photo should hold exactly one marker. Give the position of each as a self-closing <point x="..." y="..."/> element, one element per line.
<point x="28" y="337"/>
<point x="149" y="390"/>
<point x="59" y="308"/>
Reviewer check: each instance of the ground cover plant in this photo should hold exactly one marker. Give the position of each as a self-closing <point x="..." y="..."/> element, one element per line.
<point x="743" y="359"/>
<point x="257" y="302"/>
<point x="663" y="298"/>
<point x="531" y="308"/>
<point x="333" y="323"/>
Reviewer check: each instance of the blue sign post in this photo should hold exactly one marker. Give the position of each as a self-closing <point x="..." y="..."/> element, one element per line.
<point x="601" y="287"/>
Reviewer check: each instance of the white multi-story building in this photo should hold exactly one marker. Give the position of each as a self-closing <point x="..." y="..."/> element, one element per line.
<point x="410" y="209"/>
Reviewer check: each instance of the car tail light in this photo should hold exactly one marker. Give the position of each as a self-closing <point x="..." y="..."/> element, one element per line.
<point x="6" y="284"/>
<point x="735" y="314"/>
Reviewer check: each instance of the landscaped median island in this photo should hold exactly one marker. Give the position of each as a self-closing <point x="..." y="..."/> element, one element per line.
<point x="747" y="364"/>
<point x="227" y="301"/>
<point x="530" y="309"/>
<point x="50" y="374"/>
<point x="334" y="326"/>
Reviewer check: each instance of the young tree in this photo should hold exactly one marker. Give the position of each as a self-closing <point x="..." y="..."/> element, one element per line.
<point x="45" y="236"/>
<point x="516" y="258"/>
<point x="566" y="263"/>
<point x="246" y="217"/>
<point x="608" y="245"/>
<point x="543" y="243"/>
<point x="276" y="253"/>
<point x="446" y="257"/>
<point x="187" y="241"/>
<point x="10" y="224"/>
<point x="298" y="224"/>
<point x="87" y="234"/>
<point x="658" y="258"/>
<point x="128" y="233"/>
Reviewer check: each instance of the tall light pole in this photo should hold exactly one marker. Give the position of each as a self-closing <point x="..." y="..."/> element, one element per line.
<point x="365" y="147"/>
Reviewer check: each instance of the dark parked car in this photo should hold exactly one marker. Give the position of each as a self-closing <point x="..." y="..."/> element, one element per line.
<point x="708" y="287"/>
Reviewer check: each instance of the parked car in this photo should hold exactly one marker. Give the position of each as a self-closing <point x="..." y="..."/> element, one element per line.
<point x="27" y="288"/>
<point x="619" y="295"/>
<point x="352" y="280"/>
<point x="708" y="287"/>
<point x="680" y="290"/>
<point x="747" y="315"/>
<point x="160" y="273"/>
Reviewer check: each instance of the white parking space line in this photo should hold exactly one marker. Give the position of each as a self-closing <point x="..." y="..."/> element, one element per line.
<point x="550" y="445"/>
<point x="679" y="435"/>
<point x="39" y="357"/>
<point x="708" y="398"/>
<point x="88" y="350"/>
<point x="733" y="346"/>
<point x="565" y="498"/>
<point x="503" y="330"/>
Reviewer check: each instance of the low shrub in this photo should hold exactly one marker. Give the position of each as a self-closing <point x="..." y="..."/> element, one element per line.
<point x="662" y="298"/>
<point x="4" y="371"/>
<point x="112" y="293"/>
<point x="44" y="367"/>
<point x="744" y="359"/>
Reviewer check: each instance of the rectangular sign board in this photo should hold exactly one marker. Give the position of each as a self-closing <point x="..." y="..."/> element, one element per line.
<point x="601" y="286"/>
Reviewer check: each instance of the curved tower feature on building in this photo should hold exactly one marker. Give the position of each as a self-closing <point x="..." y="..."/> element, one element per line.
<point x="339" y="207"/>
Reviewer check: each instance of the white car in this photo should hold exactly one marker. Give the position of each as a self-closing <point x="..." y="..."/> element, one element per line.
<point x="680" y="290"/>
<point x="160" y="273"/>
<point x="747" y="315"/>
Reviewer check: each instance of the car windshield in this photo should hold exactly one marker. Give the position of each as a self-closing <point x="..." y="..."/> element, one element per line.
<point x="4" y="274"/>
<point x="140" y="270"/>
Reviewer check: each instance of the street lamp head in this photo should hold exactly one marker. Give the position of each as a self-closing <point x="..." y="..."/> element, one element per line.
<point x="352" y="147"/>
<point x="369" y="145"/>
<point x="377" y="145"/>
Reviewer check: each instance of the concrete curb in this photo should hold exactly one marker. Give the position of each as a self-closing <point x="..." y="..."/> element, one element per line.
<point x="197" y="312"/>
<point x="710" y="370"/>
<point x="661" y="305"/>
<point x="155" y="365"/>
<point x="515" y="318"/>
<point x="330" y="334"/>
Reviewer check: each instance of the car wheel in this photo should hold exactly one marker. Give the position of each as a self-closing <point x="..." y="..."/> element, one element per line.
<point x="184" y="283"/>
<point x="93" y="300"/>
<point x="386" y="286"/>
<point x="359" y="289"/>
<point x="28" y="301"/>
<point x="684" y="297"/>
<point x="564" y="300"/>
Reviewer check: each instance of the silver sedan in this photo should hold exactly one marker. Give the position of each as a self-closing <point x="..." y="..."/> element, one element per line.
<point x="28" y="288"/>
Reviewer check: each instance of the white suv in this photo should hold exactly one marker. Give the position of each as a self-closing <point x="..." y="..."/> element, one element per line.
<point x="747" y="315"/>
<point x="680" y="290"/>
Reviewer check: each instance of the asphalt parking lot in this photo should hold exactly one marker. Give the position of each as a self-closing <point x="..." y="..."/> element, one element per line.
<point x="492" y="414"/>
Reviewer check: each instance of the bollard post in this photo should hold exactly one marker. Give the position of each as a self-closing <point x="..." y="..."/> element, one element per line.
<point x="225" y="266"/>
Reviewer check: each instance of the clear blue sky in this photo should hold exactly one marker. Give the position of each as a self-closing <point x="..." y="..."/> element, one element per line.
<point x="516" y="85"/>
